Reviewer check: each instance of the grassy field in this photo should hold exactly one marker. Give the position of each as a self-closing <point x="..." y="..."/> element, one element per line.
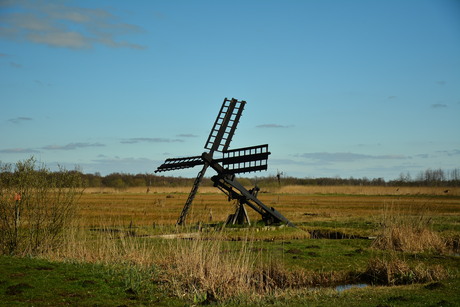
<point x="396" y="247"/>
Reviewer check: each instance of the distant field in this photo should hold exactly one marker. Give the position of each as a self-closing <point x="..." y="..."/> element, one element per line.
<point x="303" y="205"/>
<point x="297" y="189"/>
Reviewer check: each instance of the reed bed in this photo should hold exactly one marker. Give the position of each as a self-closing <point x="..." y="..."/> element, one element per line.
<point x="395" y="271"/>
<point x="405" y="232"/>
<point x="198" y="269"/>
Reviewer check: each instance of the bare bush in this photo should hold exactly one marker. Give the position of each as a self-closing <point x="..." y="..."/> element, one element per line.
<point x="35" y="206"/>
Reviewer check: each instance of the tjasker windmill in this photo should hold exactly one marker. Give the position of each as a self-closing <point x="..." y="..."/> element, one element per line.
<point x="234" y="161"/>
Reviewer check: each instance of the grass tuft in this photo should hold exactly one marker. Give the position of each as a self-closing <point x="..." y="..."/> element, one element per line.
<point x="394" y="271"/>
<point x="408" y="233"/>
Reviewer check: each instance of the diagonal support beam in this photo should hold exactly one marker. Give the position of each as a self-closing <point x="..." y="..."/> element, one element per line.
<point x="191" y="196"/>
<point x="235" y="190"/>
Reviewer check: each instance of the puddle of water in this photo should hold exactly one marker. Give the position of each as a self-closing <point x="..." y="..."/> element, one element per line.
<point x="342" y="288"/>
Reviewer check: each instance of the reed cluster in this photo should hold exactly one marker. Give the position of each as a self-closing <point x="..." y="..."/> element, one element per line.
<point x="408" y="232"/>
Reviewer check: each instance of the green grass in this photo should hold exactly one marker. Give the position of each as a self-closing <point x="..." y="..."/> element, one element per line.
<point x="36" y="282"/>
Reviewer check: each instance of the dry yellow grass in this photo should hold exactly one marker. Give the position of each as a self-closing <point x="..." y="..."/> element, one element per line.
<point x="151" y="190"/>
<point x="295" y="189"/>
<point x="368" y="190"/>
<point x="162" y="206"/>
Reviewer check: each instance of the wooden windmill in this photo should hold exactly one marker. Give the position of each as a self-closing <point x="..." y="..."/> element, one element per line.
<point x="234" y="161"/>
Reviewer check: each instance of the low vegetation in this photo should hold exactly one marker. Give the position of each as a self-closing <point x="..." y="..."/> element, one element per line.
<point x="410" y="232"/>
<point x="35" y="206"/>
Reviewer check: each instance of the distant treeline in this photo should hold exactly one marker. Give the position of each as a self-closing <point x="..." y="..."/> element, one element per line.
<point x="430" y="177"/>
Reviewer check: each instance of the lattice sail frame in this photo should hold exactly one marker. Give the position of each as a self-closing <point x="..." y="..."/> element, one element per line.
<point x="247" y="159"/>
<point x="225" y="125"/>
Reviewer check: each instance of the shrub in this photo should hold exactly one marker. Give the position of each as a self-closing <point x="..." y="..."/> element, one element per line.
<point x="35" y="206"/>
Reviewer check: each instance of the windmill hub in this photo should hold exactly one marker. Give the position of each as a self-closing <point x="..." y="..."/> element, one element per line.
<point x="234" y="161"/>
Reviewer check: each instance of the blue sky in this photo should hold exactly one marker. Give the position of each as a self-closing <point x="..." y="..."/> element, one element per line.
<point x="336" y="88"/>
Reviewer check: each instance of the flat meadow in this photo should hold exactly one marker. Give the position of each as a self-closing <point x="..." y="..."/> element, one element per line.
<point x="352" y="245"/>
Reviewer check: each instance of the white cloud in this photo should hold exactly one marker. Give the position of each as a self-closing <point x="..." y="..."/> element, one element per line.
<point x="72" y="146"/>
<point x="149" y="140"/>
<point x="271" y="126"/>
<point x="18" y="150"/>
<point x="57" y="24"/>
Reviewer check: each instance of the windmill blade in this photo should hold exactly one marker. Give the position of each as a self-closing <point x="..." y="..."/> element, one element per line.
<point x="246" y="159"/>
<point x="225" y="125"/>
<point x="179" y="163"/>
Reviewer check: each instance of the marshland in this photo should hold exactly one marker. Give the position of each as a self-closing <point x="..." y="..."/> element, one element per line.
<point x="360" y="245"/>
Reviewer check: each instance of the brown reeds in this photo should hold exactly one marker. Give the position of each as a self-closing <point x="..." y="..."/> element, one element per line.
<point x="408" y="232"/>
<point x="200" y="268"/>
<point x="395" y="271"/>
<point x="195" y="267"/>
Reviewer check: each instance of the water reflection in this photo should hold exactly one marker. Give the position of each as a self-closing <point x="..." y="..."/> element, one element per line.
<point x="342" y="288"/>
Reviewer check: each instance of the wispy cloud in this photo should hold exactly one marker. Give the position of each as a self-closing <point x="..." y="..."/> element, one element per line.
<point x="18" y="150"/>
<point x="15" y="65"/>
<point x="286" y="162"/>
<point x="58" y="24"/>
<point x="454" y="152"/>
<point x="272" y="126"/>
<point x="347" y="157"/>
<point x="187" y="135"/>
<point x="72" y="146"/>
<point x="423" y="156"/>
<point x="41" y="83"/>
<point x="392" y="97"/>
<point x="149" y="140"/>
<point x="442" y="82"/>
<point x="18" y="120"/>
<point x="439" y="105"/>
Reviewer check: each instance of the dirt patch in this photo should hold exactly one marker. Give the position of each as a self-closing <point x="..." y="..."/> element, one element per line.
<point x="17" y="289"/>
<point x="44" y="268"/>
<point x="88" y="283"/>
<point x="294" y="251"/>
<point x="434" y="286"/>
